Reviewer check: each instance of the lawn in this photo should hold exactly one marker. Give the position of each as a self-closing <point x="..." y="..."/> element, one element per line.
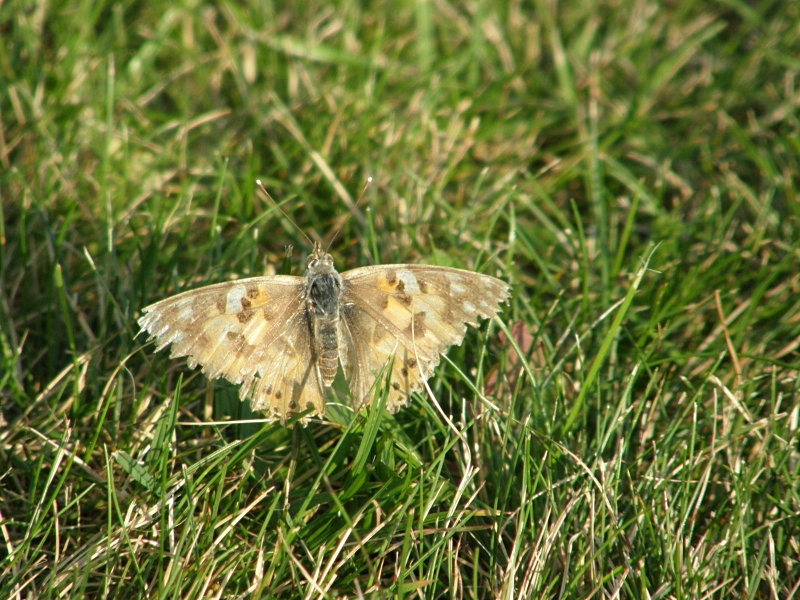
<point x="627" y="427"/>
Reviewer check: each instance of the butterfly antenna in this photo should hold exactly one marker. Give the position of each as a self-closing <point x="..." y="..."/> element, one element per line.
<point x="311" y="242"/>
<point x="348" y="215"/>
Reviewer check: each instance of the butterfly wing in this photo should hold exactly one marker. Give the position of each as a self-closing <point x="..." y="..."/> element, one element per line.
<point x="411" y="312"/>
<point x="254" y="332"/>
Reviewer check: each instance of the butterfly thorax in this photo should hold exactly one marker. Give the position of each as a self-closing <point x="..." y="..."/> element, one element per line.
<point x="323" y="288"/>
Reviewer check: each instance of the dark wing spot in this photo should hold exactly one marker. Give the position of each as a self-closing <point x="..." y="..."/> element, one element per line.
<point x="236" y="339"/>
<point x="309" y="405"/>
<point x="404" y="371"/>
<point x="268" y="389"/>
<point x="222" y="305"/>
<point x="269" y="314"/>
<point x="246" y="303"/>
<point x="423" y="287"/>
<point x="395" y="385"/>
<point x="205" y="341"/>
<point x="245" y="315"/>
<point x="403" y="299"/>
<point x="417" y="325"/>
<point x="391" y="277"/>
<point x="278" y="395"/>
<point x="252" y="291"/>
<point x="411" y="363"/>
<point x="292" y="405"/>
<point x="400" y="287"/>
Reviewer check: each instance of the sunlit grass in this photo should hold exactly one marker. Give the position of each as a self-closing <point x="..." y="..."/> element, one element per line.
<point x="629" y="428"/>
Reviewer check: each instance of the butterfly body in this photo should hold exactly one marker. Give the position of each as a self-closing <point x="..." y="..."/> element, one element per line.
<point x="282" y="337"/>
<point x="323" y="291"/>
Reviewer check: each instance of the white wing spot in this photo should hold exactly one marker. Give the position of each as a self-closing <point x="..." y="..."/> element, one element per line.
<point x="186" y="312"/>
<point x="469" y="308"/>
<point x="233" y="303"/>
<point x="456" y="283"/>
<point x="409" y="281"/>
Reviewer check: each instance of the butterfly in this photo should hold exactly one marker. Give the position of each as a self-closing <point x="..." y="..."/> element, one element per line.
<point x="282" y="337"/>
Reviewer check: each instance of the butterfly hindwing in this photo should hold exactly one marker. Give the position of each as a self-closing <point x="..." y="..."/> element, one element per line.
<point x="366" y="348"/>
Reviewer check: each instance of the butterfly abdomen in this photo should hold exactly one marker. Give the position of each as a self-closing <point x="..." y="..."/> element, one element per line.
<point x="324" y="290"/>
<point x="327" y="349"/>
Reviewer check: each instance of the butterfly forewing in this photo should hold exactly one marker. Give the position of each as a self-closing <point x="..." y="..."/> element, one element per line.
<point x="411" y="312"/>
<point x="252" y="332"/>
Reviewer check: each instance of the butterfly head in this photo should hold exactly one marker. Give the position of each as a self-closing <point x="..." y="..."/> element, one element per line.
<point x="320" y="262"/>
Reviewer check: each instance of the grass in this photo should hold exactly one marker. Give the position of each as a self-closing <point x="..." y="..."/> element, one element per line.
<point x="628" y="429"/>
